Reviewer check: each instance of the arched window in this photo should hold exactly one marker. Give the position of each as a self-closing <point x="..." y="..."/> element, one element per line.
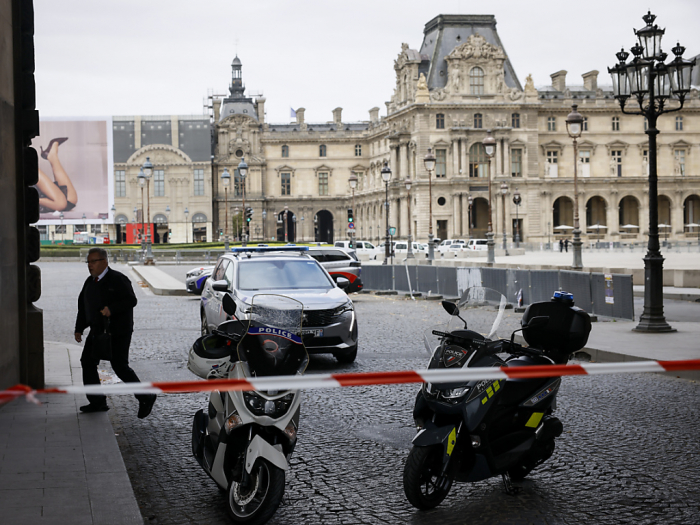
<point x="199" y="217"/>
<point x="160" y="219"/>
<point x="476" y="81"/>
<point x="478" y="161"/>
<point x="322" y="150"/>
<point x="121" y="219"/>
<point x="478" y="120"/>
<point x="285" y="151"/>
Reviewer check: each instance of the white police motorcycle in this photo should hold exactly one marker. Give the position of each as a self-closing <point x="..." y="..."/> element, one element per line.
<point x="244" y="439"/>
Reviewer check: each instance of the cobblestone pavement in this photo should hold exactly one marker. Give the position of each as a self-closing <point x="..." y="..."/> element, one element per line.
<point x="629" y="452"/>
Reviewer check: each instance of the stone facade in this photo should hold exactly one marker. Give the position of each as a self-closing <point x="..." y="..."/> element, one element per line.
<point x="458" y="85"/>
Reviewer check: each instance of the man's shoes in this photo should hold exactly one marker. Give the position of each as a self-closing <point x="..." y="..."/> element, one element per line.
<point x="94" y="408"/>
<point x="146" y="405"/>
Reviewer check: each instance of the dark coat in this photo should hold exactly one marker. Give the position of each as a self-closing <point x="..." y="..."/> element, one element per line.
<point x="118" y="295"/>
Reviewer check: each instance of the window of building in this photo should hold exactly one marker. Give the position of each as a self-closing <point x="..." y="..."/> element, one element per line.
<point x="323" y="183"/>
<point x="679" y="162"/>
<point x="616" y="123"/>
<point x="478" y="161"/>
<point x="238" y="184"/>
<point x="478" y="120"/>
<point x="616" y="163"/>
<point x="551" y="123"/>
<point x="440" y="163"/>
<point x="286" y="184"/>
<point x="476" y="81"/>
<point x="584" y="126"/>
<point x="358" y="150"/>
<point x="43" y="232"/>
<point x="679" y="123"/>
<point x="158" y="183"/>
<point x="120" y="183"/>
<point x="199" y="182"/>
<point x="79" y="228"/>
<point x="515" y="120"/>
<point x="322" y="150"/>
<point x="584" y="160"/>
<point x="285" y="151"/>
<point x="552" y="165"/>
<point x="440" y="121"/>
<point x="516" y="162"/>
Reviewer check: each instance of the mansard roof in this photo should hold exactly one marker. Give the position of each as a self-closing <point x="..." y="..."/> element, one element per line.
<point x="445" y="32"/>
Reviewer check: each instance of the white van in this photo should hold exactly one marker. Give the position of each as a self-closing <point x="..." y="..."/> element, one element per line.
<point x="360" y="247"/>
<point x="477" y="244"/>
<point x="445" y="245"/>
<point x="401" y="248"/>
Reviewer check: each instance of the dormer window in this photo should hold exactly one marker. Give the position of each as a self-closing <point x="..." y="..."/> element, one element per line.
<point x="476" y="81"/>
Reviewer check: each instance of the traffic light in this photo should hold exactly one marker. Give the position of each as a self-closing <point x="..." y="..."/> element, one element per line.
<point x="248" y="214"/>
<point x="350" y="218"/>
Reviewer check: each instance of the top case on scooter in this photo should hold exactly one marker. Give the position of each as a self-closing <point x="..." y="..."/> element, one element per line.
<point x="565" y="332"/>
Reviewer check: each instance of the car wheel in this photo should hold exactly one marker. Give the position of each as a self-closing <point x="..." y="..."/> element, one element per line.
<point x="347" y="356"/>
<point x="204" y="327"/>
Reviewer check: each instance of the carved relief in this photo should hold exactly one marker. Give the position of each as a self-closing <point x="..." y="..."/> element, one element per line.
<point x="476" y="51"/>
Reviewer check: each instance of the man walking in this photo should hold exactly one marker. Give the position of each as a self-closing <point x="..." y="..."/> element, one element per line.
<point x="108" y="294"/>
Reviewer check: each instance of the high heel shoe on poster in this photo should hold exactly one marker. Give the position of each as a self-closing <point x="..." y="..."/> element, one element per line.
<point x="45" y="152"/>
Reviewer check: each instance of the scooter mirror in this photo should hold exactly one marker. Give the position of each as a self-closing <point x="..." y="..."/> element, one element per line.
<point x="450" y="308"/>
<point x="537" y="322"/>
<point x="228" y="304"/>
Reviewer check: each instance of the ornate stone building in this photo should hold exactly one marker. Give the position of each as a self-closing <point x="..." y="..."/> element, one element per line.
<point x="458" y="85"/>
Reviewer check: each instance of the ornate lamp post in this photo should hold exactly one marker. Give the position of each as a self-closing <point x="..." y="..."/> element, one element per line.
<point x="167" y="216"/>
<point x="353" y="184"/>
<point x="470" y="199"/>
<point x="286" y="233"/>
<point x="226" y="181"/>
<point x="504" y="191"/>
<point x="429" y="163"/>
<point x="409" y="255"/>
<point x="517" y="200"/>
<point x="490" y="146"/>
<point x="145" y="179"/>
<point x="302" y="228"/>
<point x="386" y="177"/>
<point x="264" y="216"/>
<point x="187" y="214"/>
<point x="646" y="78"/>
<point x="574" y="127"/>
<point x="243" y="171"/>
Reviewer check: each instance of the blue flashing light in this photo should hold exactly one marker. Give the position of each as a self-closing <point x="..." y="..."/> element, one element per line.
<point x="561" y="295"/>
<point x="263" y="249"/>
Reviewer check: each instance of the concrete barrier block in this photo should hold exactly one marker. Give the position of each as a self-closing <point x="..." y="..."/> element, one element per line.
<point x="686" y="278"/>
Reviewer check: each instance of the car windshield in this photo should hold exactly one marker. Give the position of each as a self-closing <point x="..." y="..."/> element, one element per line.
<point x="281" y="274"/>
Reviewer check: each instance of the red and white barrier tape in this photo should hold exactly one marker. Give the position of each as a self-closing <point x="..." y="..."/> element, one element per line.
<point x="310" y="381"/>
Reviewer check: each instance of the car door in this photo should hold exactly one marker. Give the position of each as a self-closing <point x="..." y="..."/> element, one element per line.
<point x="213" y="308"/>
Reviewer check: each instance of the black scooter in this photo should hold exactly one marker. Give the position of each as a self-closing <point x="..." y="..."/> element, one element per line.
<point x="475" y="430"/>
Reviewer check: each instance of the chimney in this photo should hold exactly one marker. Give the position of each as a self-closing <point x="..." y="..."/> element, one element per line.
<point x="336" y="116"/>
<point x="260" y="106"/>
<point x="590" y="80"/>
<point x="559" y="80"/>
<point x="374" y="114"/>
<point x="300" y="115"/>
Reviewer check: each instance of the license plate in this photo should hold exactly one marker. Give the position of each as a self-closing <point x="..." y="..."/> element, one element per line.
<point x="315" y="333"/>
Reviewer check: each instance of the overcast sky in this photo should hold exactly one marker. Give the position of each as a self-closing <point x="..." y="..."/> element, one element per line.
<point x="163" y="57"/>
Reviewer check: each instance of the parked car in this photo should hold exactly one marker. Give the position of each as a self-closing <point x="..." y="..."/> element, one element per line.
<point x="477" y="244"/>
<point x="340" y="262"/>
<point x="196" y="277"/>
<point x="360" y="247"/>
<point x="401" y="248"/>
<point x="329" y="314"/>
<point x="445" y="245"/>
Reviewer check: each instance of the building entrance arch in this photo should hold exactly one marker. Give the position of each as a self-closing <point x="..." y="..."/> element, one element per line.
<point x="291" y="226"/>
<point x="479" y="218"/>
<point x="323" y="227"/>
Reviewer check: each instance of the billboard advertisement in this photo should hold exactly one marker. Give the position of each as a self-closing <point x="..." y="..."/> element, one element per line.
<point x="75" y="170"/>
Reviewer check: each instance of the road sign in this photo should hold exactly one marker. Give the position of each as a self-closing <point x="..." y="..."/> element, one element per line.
<point x="392" y="231"/>
<point x="351" y="226"/>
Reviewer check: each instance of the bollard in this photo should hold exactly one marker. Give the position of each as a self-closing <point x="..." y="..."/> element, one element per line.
<point x="177" y="256"/>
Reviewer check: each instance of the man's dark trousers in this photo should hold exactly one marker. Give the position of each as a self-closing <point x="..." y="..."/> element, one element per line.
<point x="120" y="364"/>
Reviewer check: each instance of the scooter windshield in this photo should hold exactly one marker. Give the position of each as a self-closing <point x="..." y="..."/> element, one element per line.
<point x="481" y="308"/>
<point x="272" y="344"/>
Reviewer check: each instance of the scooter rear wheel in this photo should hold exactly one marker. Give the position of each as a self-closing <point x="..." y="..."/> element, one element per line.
<point x="256" y="503"/>
<point x="423" y="485"/>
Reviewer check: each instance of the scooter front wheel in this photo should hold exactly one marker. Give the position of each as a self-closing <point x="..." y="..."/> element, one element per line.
<point x="423" y="485"/>
<point x="256" y="502"/>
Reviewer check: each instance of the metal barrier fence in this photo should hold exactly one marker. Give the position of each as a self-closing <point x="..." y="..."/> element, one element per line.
<point x="589" y="289"/>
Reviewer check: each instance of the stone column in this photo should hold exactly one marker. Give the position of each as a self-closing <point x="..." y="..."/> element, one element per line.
<point x="455" y="216"/>
<point x="403" y="163"/>
<point x="455" y="157"/>
<point x="465" y="165"/>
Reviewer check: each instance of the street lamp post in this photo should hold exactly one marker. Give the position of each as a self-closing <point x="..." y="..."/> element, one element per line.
<point x="167" y="216"/>
<point x="145" y="178"/>
<point x="470" y="199"/>
<point x="226" y="181"/>
<point x="113" y="209"/>
<point x="429" y="163"/>
<point x="409" y="255"/>
<point x="187" y="214"/>
<point x="264" y="217"/>
<point x="504" y="191"/>
<point x="243" y="171"/>
<point x="652" y="82"/>
<point x="490" y="146"/>
<point x="517" y="200"/>
<point x="386" y="177"/>
<point x="353" y="184"/>
<point x="574" y="127"/>
<point x="286" y="232"/>
<point x="302" y="228"/>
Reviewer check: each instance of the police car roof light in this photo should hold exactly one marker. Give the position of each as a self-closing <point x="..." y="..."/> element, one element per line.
<point x="262" y="249"/>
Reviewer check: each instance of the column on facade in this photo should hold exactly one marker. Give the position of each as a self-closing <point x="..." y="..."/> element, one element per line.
<point x="677" y="218"/>
<point x="393" y="161"/>
<point x="643" y="217"/>
<point x="506" y="158"/>
<point x="455" y="157"/>
<point x="613" y="215"/>
<point x="403" y="163"/>
<point x="465" y="166"/>
<point x="455" y="217"/>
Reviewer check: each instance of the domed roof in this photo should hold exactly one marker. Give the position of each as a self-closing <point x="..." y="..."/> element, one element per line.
<point x="236" y="61"/>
